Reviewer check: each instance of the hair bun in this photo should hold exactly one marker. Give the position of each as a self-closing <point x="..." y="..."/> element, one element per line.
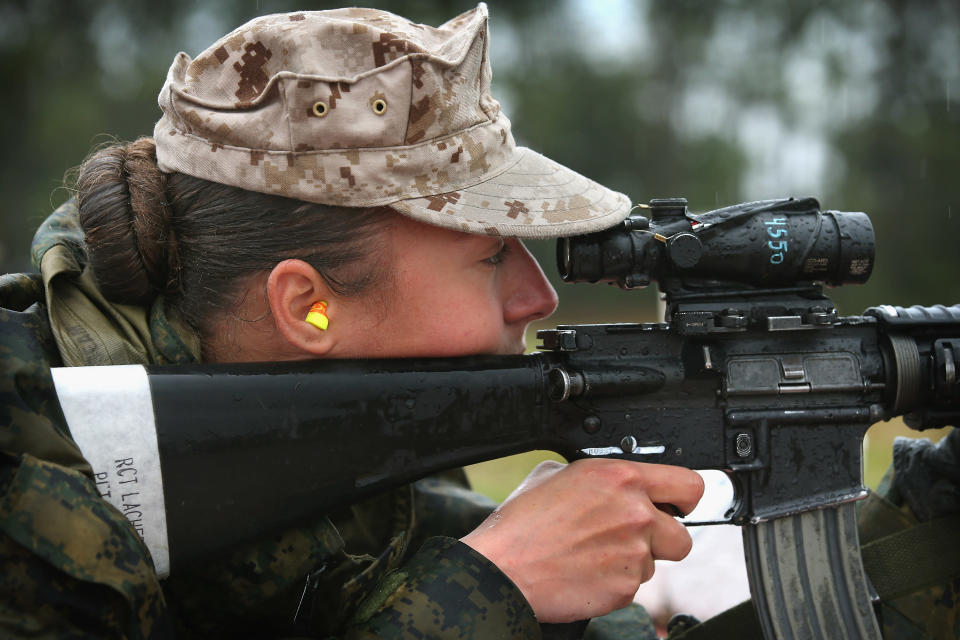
<point x="126" y="219"/>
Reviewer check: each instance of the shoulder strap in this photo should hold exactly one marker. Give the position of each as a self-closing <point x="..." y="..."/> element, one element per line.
<point x="915" y="558"/>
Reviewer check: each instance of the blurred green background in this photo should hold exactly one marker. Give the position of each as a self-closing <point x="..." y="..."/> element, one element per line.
<point x="720" y="102"/>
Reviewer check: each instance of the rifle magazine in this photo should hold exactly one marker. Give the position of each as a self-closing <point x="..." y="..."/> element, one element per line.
<point x="807" y="579"/>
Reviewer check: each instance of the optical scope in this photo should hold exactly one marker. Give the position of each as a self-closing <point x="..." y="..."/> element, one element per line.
<point x="768" y="243"/>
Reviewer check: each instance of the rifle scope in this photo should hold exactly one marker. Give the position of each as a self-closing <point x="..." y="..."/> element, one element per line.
<point x="764" y="243"/>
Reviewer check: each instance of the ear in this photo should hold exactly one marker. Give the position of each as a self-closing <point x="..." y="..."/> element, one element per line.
<point x="292" y="288"/>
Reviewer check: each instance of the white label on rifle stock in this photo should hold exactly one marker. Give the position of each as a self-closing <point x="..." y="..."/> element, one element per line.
<point x="110" y="415"/>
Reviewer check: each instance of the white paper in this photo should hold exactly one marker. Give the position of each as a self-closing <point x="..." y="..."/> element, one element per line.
<point x="110" y="415"/>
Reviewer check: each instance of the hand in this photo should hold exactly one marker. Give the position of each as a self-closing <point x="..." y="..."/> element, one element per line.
<point x="579" y="539"/>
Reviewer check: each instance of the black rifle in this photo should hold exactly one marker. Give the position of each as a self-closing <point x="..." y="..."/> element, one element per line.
<point x="753" y="373"/>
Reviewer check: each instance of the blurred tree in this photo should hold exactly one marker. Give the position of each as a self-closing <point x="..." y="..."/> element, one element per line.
<point x="849" y="102"/>
<point x="901" y="163"/>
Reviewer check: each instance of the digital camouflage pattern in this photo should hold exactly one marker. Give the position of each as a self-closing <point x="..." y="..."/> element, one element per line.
<point x="433" y="591"/>
<point x="68" y="556"/>
<point x="360" y="107"/>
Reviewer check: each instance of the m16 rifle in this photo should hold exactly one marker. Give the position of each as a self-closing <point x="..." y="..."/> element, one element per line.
<point x="753" y="373"/>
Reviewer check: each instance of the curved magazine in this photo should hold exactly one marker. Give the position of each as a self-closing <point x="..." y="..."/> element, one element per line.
<point x="807" y="578"/>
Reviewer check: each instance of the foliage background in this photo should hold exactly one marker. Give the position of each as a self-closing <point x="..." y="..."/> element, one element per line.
<point x="719" y="102"/>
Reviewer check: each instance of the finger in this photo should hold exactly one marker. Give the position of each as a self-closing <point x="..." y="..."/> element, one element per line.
<point x="667" y="484"/>
<point x="669" y="540"/>
<point x="647" y="570"/>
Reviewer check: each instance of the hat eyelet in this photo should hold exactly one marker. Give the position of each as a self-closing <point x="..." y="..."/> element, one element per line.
<point x="379" y="106"/>
<point x="320" y="109"/>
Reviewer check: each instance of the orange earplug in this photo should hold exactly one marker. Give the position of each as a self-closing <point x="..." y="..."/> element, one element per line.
<point x="317" y="316"/>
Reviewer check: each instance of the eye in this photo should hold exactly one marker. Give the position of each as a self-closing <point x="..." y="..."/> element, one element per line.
<point x="499" y="256"/>
<point x="379" y="106"/>
<point x="320" y="109"/>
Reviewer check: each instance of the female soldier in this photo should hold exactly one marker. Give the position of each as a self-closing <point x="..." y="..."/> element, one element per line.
<point x="350" y="157"/>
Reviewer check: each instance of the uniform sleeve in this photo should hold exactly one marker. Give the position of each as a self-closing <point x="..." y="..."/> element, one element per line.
<point x="446" y="590"/>
<point x="402" y="573"/>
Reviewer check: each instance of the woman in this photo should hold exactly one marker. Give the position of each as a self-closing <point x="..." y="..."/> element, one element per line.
<point x="349" y="158"/>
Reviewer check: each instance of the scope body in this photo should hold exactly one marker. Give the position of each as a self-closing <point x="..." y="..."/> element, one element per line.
<point x="755" y="244"/>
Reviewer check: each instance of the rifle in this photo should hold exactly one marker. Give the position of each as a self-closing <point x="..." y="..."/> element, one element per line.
<point x="753" y="372"/>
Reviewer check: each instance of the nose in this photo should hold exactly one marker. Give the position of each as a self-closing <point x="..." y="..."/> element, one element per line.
<point x="529" y="295"/>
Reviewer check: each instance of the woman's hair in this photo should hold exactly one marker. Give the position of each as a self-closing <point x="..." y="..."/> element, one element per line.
<point x="197" y="242"/>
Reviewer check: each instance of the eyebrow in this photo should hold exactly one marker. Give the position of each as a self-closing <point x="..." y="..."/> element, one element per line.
<point x="500" y="240"/>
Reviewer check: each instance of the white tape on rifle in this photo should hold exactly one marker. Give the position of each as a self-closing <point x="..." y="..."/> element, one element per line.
<point x="110" y="415"/>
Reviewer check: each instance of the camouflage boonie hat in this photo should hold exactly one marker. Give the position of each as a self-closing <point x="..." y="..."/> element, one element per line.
<point x="361" y="108"/>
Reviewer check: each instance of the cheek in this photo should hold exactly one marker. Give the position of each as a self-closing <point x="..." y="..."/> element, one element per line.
<point x="445" y="300"/>
<point x="455" y="325"/>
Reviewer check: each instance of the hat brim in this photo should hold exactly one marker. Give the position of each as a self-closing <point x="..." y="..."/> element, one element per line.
<point x="534" y="197"/>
